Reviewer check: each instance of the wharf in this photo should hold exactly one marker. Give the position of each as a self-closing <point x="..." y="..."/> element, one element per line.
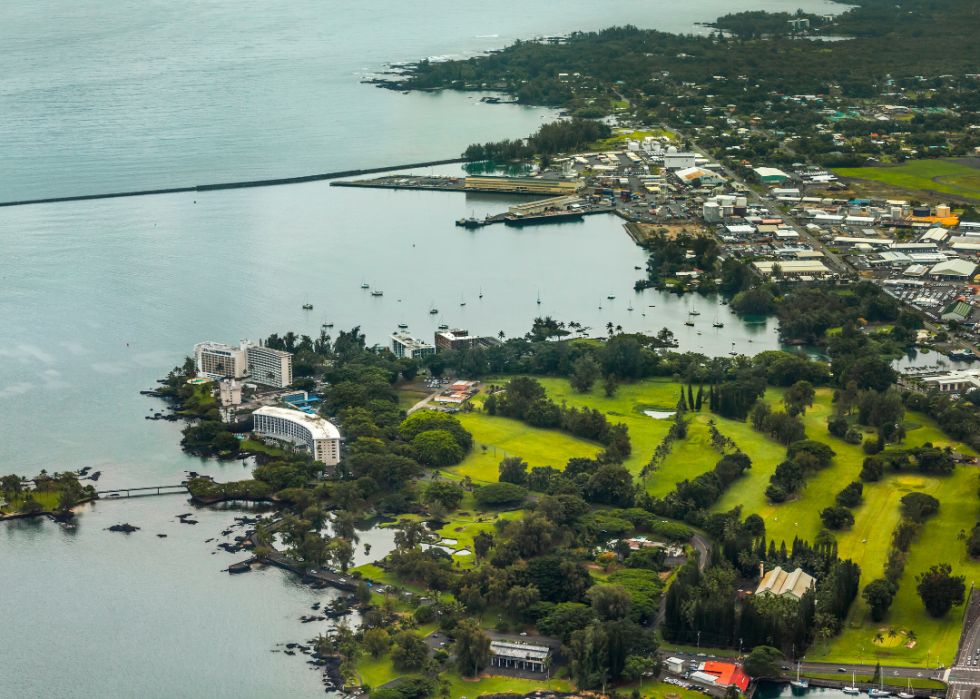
<point x="438" y="183"/>
<point x="509" y="219"/>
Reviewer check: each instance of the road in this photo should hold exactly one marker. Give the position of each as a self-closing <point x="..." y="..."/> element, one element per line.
<point x="962" y="678"/>
<point x="841" y="266"/>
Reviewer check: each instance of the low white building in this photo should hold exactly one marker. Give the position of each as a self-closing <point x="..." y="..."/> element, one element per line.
<point x="518" y="656"/>
<point x="678" y="160"/>
<point x="953" y="269"/>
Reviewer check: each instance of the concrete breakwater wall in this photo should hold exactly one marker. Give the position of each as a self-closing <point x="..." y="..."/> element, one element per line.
<point x="234" y="185"/>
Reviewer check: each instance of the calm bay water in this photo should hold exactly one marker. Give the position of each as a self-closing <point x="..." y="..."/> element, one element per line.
<point x="98" y="299"/>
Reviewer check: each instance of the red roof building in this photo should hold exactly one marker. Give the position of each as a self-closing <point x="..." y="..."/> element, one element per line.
<point x="727" y="674"/>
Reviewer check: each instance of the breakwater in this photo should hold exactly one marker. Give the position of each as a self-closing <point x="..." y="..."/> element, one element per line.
<point x="234" y="185"/>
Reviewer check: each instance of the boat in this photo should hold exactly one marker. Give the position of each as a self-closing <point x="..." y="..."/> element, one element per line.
<point x="724" y="303"/>
<point x="539" y="298"/>
<point x="364" y="284"/>
<point x="325" y="323"/>
<point x="631" y="307"/>
<point x="798" y="683"/>
<point x="878" y="693"/>
<point x="717" y="323"/>
<point x="611" y="296"/>
<point x="432" y="308"/>
<point x="376" y="292"/>
<point x="853" y="689"/>
<point x="637" y="268"/>
<point x="462" y="301"/>
<point x="481" y="292"/>
<point x="403" y="325"/>
<point x="733" y="352"/>
<point x="687" y="322"/>
<point x="907" y="694"/>
<point x="307" y="306"/>
<point x="694" y="313"/>
<point x="444" y="327"/>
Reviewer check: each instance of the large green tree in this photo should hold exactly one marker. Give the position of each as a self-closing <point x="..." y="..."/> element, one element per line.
<point x="940" y="590"/>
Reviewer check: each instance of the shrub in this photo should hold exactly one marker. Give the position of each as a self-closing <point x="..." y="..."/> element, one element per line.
<point x="918" y="506"/>
<point x="850" y="496"/>
<point x="871" y="446"/>
<point x="838" y="427"/>
<point x="853" y="436"/>
<point x="837" y="517"/>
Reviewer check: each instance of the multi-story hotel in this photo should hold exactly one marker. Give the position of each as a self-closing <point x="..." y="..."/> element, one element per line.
<point x="319" y="435"/>
<point x="263" y="365"/>
<point x="404" y="345"/>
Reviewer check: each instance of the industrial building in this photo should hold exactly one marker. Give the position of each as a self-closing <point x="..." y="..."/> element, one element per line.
<point x="542" y="205"/>
<point x="519" y="656"/>
<point x="769" y="175"/>
<point x="317" y="434"/>
<point x="959" y="311"/>
<point x="678" y="160"/>
<point x="803" y="268"/>
<point x="525" y="185"/>
<point x="404" y="345"/>
<point x="699" y="177"/>
<point x="953" y="269"/>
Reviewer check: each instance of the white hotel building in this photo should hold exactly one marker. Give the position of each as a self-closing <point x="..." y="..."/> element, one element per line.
<point x="263" y="365"/>
<point x="322" y="437"/>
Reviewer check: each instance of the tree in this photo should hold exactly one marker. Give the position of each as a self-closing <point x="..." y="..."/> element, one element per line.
<point x="11" y="486"/>
<point x="610" y="602"/>
<point x="837" y="517"/>
<point x="610" y="385"/>
<point x="482" y="543"/>
<point x="585" y="371"/>
<point x="410" y="652"/>
<point x="446" y="493"/>
<point x="940" y="590"/>
<point x="411" y="535"/>
<point x="499" y="494"/>
<point x="438" y="448"/>
<point x="798" y="398"/>
<point x="472" y="647"/>
<point x="850" y="496"/>
<point x="343" y="525"/>
<point x="731" y="692"/>
<point x="879" y="594"/>
<point x="69" y="496"/>
<point x="872" y="469"/>
<point x="29" y="505"/>
<point x="519" y="599"/>
<point x="635" y="666"/>
<point x="377" y="642"/>
<point x="763" y="661"/>
<point x="363" y="593"/>
<point x="342" y="552"/>
<point x="513" y="469"/>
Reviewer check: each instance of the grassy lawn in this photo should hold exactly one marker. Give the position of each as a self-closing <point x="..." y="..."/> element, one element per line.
<point x="406" y="399"/>
<point x="918" y="175"/>
<point x="377" y="671"/>
<point x="256" y="445"/>
<point x="506" y="437"/>
<point x="49" y="501"/>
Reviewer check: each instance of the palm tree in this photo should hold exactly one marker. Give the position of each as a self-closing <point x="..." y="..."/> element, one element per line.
<point x="547" y="668"/>
<point x="878" y="638"/>
<point x="910" y="634"/>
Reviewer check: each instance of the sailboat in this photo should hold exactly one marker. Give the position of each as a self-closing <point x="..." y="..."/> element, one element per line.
<point x="880" y="692"/>
<point x="801" y="684"/>
<point x="853" y="689"/>
<point x="462" y="301"/>
<point x="481" y="292"/>
<point x="909" y="694"/>
<point x="432" y="308"/>
<point x="611" y="296"/>
<point x="689" y="321"/>
<point x="364" y="284"/>
<point x="694" y="313"/>
<point x="717" y="323"/>
<point x="377" y="291"/>
<point x="326" y="324"/>
<point x="733" y="352"/>
<point x="307" y="306"/>
<point x="631" y="306"/>
<point x="539" y="298"/>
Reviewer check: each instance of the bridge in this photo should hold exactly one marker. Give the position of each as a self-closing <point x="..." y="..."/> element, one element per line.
<point x="143" y="492"/>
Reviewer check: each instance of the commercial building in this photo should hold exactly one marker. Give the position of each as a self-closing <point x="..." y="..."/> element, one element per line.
<point x="699" y="177"/>
<point x="231" y="392"/>
<point x="519" y="656"/>
<point x="722" y="674"/>
<point x="675" y="665"/>
<point x="785" y="584"/>
<point x="263" y="365"/>
<point x="953" y="269"/>
<point x="528" y="185"/>
<point x="959" y="311"/>
<point x="404" y="345"/>
<point x="955" y="381"/>
<point x="319" y="435"/>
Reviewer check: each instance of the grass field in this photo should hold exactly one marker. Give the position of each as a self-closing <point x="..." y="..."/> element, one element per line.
<point x="918" y="174"/>
<point x="49" y="501"/>
<point x="867" y="542"/>
<point x="406" y="399"/>
<point x="505" y="437"/>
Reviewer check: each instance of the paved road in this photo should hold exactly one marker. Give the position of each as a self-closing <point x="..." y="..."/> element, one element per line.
<point x="963" y="678"/>
<point x="422" y="403"/>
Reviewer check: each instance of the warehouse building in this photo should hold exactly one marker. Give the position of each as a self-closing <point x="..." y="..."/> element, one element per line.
<point x="953" y="269"/>
<point x="523" y="185"/>
<point x="810" y="268"/>
<point x="770" y="175"/>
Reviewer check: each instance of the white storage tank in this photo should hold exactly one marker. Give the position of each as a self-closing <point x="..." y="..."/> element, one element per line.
<point x="741" y="201"/>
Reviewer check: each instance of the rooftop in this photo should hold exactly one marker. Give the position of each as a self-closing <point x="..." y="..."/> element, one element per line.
<point x="318" y="427"/>
<point x="520" y="651"/>
<point x="780" y="582"/>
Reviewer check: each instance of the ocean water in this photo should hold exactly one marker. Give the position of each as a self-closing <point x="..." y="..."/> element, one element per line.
<point x="98" y="299"/>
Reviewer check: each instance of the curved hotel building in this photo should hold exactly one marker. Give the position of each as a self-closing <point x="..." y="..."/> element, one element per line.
<point x="322" y="437"/>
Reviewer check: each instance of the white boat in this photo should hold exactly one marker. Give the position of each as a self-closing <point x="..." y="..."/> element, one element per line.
<point x="878" y="693"/>
<point x="403" y="325"/>
<point x="907" y="694"/>
<point x="798" y="683"/>
<point x="539" y="298"/>
<point x="364" y="284"/>
<point x="853" y="688"/>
